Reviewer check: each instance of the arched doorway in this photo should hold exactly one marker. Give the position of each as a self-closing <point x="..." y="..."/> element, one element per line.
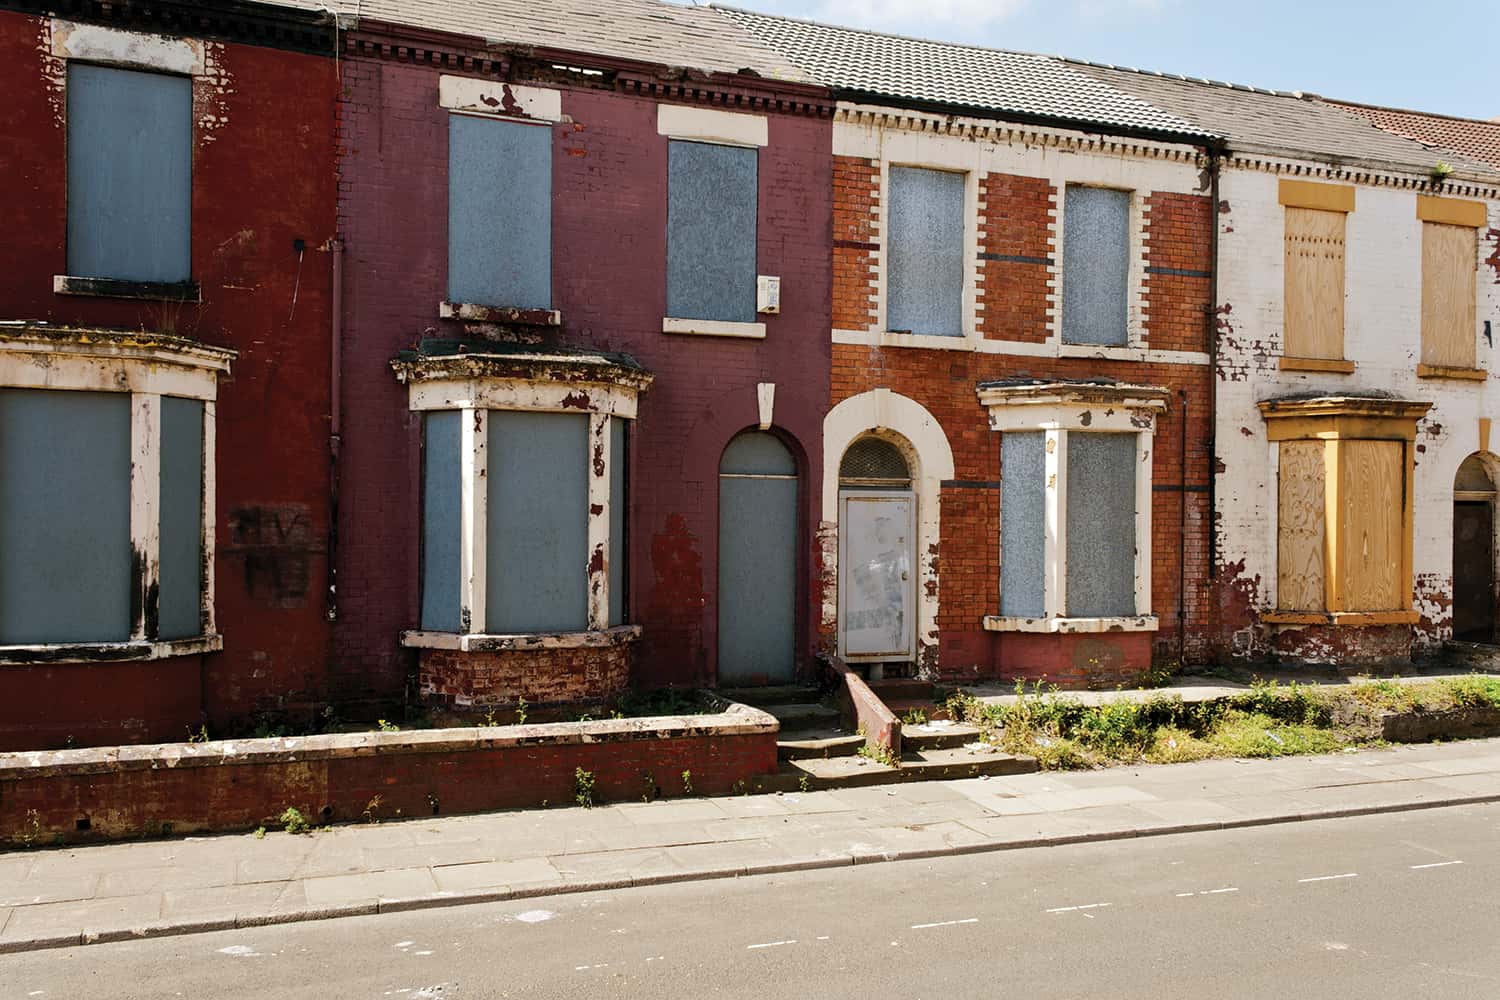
<point x="1473" y="552"/>
<point x="877" y="533"/>
<point x="757" y="561"/>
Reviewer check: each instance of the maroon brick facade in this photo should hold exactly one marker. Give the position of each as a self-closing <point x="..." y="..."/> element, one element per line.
<point x="262" y="178"/>
<point x="588" y="675"/>
<point x="609" y="284"/>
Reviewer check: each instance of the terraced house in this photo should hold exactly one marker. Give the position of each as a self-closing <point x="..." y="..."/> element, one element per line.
<point x="1358" y="289"/>
<point x="165" y="299"/>
<point x="585" y="354"/>
<point x="1015" y="460"/>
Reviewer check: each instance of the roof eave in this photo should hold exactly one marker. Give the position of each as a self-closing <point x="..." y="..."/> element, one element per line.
<point x="1207" y="140"/>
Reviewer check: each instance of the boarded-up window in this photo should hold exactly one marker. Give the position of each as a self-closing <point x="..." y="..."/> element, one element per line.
<point x="1373" y="488"/>
<point x="129" y="174"/>
<point x="180" y="606"/>
<point x="537" y="531"/>
<point x="1314" y="284"/>
<point x="442" y="479"/>
<point x="1022" y="525"/>
<point x="1301" y="535"/>
<point x="65" y="555"/>
<point x="1101" y="525"/>
<point x="499" y="212"/>
<point x="1448" y="325"/>
<point x="712" y="200"/>
<point x="925" y="265"/>
<point x="1096" y="265"/>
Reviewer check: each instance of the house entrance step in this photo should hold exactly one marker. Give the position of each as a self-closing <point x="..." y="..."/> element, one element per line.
<point x="802" y="715"/>
<point x="937" y="735"/>
<point x="904" y="689"/>
<point x="765" y="697"/>
<point x="923" y="765"/>
<point x="821" y="741"/>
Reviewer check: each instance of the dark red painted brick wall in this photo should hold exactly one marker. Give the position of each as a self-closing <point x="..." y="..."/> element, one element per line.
<point x="262" y="177"/>
<point x="391" y="782"/>
<point x="609" y="282"/>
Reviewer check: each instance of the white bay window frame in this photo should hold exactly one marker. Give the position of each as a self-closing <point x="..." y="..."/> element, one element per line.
<point x="476" y="385"/>
<point x="1056" y="410"/>
<point x="148" y="367"/>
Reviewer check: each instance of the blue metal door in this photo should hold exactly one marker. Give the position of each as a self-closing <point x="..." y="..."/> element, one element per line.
<point x="757" y="561"/>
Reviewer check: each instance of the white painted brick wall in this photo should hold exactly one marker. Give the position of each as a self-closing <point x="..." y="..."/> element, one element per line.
<point x="1383" y="264"/>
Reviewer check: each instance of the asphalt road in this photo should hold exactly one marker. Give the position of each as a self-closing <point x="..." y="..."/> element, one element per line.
<point x="1399" y="905"/>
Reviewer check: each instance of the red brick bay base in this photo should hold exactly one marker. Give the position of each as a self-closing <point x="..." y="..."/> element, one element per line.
<point x="113" y="792"/>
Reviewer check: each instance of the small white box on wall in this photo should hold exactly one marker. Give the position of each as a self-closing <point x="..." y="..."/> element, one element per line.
<point x="767" y="294"/>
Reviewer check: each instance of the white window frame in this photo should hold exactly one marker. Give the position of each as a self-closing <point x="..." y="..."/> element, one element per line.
<point x="130" y="50"/>
<point x="967" y="165"/>
<point x="717" y="128"/>
<point x="462" y="383"/>
<point x="147" y="367"/>
<point x="1056" y="409"/>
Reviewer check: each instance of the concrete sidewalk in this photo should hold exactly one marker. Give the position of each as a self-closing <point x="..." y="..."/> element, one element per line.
<point x="62" y="897"/>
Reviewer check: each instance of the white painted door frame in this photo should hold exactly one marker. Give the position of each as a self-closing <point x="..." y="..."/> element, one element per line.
<point x="906" y="650"/>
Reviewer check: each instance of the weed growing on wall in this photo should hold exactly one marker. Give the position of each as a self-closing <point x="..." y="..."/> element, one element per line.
<point x="583" y="787"/>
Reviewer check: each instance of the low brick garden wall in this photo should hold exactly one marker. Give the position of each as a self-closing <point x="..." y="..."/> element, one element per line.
<point x="104" y="793"/>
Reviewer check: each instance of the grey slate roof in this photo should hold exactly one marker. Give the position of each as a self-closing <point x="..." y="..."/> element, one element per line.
<point x="642" y="30"/>
<point x="1276" y="121"/>
<point x="962" y="76"/>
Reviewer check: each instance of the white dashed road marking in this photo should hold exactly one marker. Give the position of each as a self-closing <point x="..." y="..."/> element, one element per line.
<point x="1329" y="878"/>
<point x="1437" y="864"/>
<point x="945" y="923"/>
<point x="769" y="944"/>
<point x="1071" y="909"/>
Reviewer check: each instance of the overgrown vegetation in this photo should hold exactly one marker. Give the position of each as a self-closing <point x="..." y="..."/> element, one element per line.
<point x="880" y="754"/>
<point x="583" y="787"/>
<point x="1268" y="720"/>
<point x="293" y="821"/>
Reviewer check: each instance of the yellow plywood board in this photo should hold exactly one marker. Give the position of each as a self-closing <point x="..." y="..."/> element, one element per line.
<point x="1451" y="211"/>
<point x="1449" y="263"/>
<point x="1322" y="197"/>
<point x="1301" y="537"/>
<point x="1314" y="284"/>
<point x="1372" y="519"/>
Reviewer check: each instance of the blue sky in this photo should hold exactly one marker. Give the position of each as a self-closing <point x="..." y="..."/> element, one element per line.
<point x="1430" y="56"/>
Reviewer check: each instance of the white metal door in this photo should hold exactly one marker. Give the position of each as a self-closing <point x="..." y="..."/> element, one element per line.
<point x="876" y="595"/>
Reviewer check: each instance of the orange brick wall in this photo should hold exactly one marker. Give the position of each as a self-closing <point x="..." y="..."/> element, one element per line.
<point x="856" y="193"/>
<point x="1018" y="240"/>
<point x="1016" y="248"/>
<point x="1178" y="285"/>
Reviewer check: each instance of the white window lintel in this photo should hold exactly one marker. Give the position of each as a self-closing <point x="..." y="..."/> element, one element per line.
<point x="730" y="128"/>
<point x="127" y="49"/>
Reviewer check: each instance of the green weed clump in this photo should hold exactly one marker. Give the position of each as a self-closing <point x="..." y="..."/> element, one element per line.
<point x="1251" y="734"/>
<point x="1473" y="691"/>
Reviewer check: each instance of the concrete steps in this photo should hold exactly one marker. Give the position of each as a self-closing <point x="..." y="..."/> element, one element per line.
<point x="924" y="765"/>
<point x="942" y="736"/>
<point x="822" y="741"/>
<point x="803" y="716"/>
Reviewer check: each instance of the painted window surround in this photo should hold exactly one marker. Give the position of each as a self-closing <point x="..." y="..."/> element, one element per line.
<point x="931" y="148"/>
<point x="148" y="367"/>
<point x="1470" y="215"/>
<point x="476" y="383"/>
<point x="103" y="46"/>
<point x="724" y="128"/>
<point x="1055" y="409"/>
<point x="463" y="95"/>
<point x="1332" y="419"/>
<point x="1319" y="197"/>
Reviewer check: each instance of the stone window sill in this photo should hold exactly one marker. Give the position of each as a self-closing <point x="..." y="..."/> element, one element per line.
<point x="1331" y="366"/>
<point x="1449" y="371"/>
<point x="1339" y="618"/>
<point x="109" y="652"/>
<point x="473" y="312"/>
<point x="115" y="288"/>
<point x="714" y="328"/>
<point x="1136" y="623"/>
<point x="474" y="643"/>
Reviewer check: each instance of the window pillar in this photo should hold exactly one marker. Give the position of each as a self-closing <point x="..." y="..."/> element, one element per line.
<point x="145" y="512"/>
<point x="1055" y="468"/>
<point x="473" y="516"/>
<point x="600" y="465"/>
